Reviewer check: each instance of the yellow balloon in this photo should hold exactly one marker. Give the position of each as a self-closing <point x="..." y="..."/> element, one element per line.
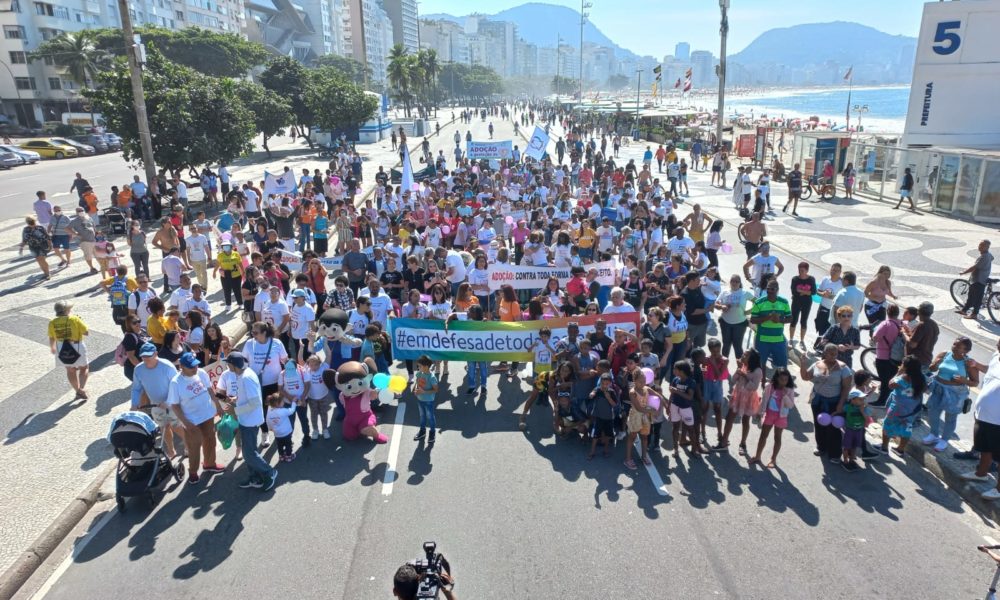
<point x="397" y="383"/>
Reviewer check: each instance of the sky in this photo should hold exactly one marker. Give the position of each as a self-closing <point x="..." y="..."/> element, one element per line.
<point x="652" y="27"/>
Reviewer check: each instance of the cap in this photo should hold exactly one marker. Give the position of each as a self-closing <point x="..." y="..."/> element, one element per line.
<point x="237" y="359"/>
<point x="607" y="376"/>
<point x="299" y="293"/>
<point x="147" y="349"/>
<point x="189" y="361"/>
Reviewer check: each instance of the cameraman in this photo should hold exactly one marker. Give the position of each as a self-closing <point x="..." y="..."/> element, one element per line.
<point x="406" y="580"/>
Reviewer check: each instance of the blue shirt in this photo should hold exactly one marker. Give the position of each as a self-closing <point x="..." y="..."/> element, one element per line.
<point x="155" y="382"/>
<point x="226" y="222"/>
<point x="138" y="189"/>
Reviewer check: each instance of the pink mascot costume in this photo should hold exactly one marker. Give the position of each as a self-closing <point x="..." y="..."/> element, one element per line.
<point x="356" y="394"/>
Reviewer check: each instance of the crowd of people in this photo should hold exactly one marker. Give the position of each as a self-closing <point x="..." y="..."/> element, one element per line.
<point x="706" y="352"/>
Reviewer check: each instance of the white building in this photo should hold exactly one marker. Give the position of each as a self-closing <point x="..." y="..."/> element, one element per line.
<point x="446" y="38"/>
<point x="368" y="35"/>
<point x="703" y="69"/>
<point x="405" y="25"/>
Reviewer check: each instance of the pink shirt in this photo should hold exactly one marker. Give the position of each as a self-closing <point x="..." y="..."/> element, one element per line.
<point x="519" y="234"/>
<point x="885" y="335"/>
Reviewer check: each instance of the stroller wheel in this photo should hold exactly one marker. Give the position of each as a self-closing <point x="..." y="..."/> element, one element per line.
<point x="120" y="502"/>
<point x="179" y="472"/>
<point x="151" y="496"/>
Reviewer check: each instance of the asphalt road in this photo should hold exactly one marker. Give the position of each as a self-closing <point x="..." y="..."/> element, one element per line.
<point x="525" y="515"/>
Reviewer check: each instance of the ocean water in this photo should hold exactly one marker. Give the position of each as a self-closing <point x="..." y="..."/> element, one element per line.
<point x="886" y="105"/>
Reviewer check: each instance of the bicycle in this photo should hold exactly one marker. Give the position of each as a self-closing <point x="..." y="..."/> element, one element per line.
<point x="991" y="299"/>
<point x="988" y="550"/>
<point x="815" y="186"/>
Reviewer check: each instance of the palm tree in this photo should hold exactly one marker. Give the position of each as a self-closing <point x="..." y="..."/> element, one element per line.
<point x="430" y="69"/>
<point x="77" y="53"/>
<point x="399" y="74"/>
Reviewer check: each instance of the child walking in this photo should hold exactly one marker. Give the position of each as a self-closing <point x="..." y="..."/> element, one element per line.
<point x="779" y="398"/>
<point x="426" y="388"/>
<point x="908" y="388"/>
<point x="605" y="401"/>
<point x="279" y="421"/>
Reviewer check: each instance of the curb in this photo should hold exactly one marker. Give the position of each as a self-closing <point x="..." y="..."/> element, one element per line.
<point x="32" y="558"/>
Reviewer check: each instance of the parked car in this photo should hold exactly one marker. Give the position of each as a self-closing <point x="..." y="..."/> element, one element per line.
<point x="8" y="160"/>
<point x="113" y="141"/>
<point x="11" y="130"/>
<point x="81" y="149"/>
<point x="92" y="139"/>
<point x="49" y="148"/>
<point x="27" y="156"/>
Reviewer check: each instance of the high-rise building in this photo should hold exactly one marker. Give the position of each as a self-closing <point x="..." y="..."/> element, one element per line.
<point x="682" y="51"/>
<point x="282" y="27"/>
<point x="446" y="38"/>
<point x="368" y="35"/>
<point x="703" y="69"/>
<point x="405" y="25"/>
<point x="503" y="36"/>
<point x="327" y="20"/>
<point x="38" y="91"/>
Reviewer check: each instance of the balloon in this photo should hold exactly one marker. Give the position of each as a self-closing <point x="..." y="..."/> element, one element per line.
<point x="445" y="230"/>
<point x="837" y="421"/>
<point x="649" y="375"/>
<point x="823" y="419"/>
<point x="380" y="381"/>
<point x="386" y="396"/>
<point x="397" y="383"/>
<point x="817" y="298"/>
<point x="654" y="402"/>
<point x="227" y="237"/>
<point x="509" y="220"/>
<point x="727" y="248"/>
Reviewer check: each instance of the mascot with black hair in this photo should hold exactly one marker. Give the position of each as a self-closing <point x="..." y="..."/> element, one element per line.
<point x="339" y="347"/>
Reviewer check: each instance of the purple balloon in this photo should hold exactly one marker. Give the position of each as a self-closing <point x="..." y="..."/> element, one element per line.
<point x="838" y="421"/>
<point x="649" y="375"/>
<point x="823" y="419"/>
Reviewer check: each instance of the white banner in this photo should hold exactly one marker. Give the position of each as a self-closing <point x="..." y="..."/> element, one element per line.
<point x="537" y="144"/>
<point x="278" y="185"/>
<point x="293" y="260"/>
<point x="486" y="150"/>
<point x="407" y="182"/>
<point x="534" y="278"/>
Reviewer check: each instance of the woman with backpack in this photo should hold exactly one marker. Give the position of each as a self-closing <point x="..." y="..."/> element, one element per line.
<point x="890" y="346"/>
<point x="36" y="238"/>
<point x="66" y="335"/>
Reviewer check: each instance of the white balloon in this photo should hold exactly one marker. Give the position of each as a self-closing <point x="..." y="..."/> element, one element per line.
<point x="386" y="395"/>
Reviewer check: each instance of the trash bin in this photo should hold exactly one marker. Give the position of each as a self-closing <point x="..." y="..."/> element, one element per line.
<point x="419" y="126"/>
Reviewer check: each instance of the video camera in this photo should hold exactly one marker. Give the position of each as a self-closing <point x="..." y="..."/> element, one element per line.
<point x="429" y="570"/>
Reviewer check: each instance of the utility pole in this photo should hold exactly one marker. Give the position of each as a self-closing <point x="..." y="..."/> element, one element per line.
<point x="638" y="88"/>
<point x="133" y="50"/>
<point x="584" y="5"/>
<point x="558" y="56"/>
<point x="723" y="32"/>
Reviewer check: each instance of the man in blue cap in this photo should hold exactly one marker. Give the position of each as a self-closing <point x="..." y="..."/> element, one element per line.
<point x="191" y="400"/>
<point x="150" y="388"/>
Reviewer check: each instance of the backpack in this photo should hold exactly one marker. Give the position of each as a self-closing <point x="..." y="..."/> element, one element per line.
<point x="38" y="239"/>
<point x="120" y="355"/>
<point x="898" y="349"/>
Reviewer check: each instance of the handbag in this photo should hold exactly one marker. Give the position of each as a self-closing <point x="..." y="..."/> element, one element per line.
<point x="966" y="406"/>
<point x="247" y="317"/>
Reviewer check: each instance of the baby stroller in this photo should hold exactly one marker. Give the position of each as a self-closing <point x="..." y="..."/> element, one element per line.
<point x="116" y="222"/>
<point x="143" y="469"/>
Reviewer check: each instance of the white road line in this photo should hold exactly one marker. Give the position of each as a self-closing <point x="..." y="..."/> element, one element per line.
<point x="65" y="564"/>
<point x="60" y="194"/>
<point x="654" y="475"/>
<point x="990" y="541"/>
<point x="390" y="469"/>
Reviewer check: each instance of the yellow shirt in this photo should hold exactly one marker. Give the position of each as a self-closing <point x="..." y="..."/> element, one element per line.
<point x="404" y="234"/>
<point x="587" y="238"/>
<point x="229" y="261"/>
<point x="157" y="327"/>
<point x="130" y="283"/>
<point x="67" y="328"/>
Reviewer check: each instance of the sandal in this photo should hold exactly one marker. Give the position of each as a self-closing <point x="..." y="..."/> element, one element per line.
<point x="630" y="465"/>
<point x="743" y="449"/>
<point x="647" y="461"/>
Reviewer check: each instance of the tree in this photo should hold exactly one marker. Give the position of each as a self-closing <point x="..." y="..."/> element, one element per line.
<point x="77" y="52"/>
<point x="287" y="77"/>
<point x="564" y="85"/>
<point x="476" y="82"/>
<point x="400" y="72"/>
<point x="194" y="119"/>
<point x="338" y="103"/>
<point x="209" y="52"/>
<point x="429" y="69"/>
<point x="352" y="70"/>
<point x="271" y="113"/>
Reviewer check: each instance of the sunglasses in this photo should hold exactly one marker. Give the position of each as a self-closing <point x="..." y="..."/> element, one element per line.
<point x="847" y="316"/>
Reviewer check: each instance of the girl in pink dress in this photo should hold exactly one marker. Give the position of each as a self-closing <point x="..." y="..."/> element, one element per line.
<point x="779" y="399"/>
<point x="745" y="401"/>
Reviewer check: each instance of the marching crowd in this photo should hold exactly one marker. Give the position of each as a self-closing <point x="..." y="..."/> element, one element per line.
<point x="712" y="349"/>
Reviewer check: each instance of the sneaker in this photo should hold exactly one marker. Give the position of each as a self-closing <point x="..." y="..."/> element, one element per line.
<point x="326" y="434"/>
<point x="269" y="484"/>
<point x="314" y="435"/>
<point x="470" y="391"/>
<point x="431" y="439"/>
<point x="941" y="446"/>
<point x="290" y="457"/>
<point x="213" y="468"/>
<point x="620" y="436"/>
<point x="991" y="494"/>
<point x="834" y="460"/>
<point x="267" y="440"/>
<point x="251" y="482"/>
<point x="971" y="476"/>
<point x="967" y="455"/>
<point x="420" y="435"/>
<point x="193" y="478"/>
<point x="929" y="439"/>
<point x="850" y="466"/>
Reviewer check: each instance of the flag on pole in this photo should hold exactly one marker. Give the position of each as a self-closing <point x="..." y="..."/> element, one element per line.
<point x="278" y="185"/>
<point x="678" y="84"/>
<point x="537" y="144"/>
<point x="688" y="73"/>
<point x="407" y="181"/>
<point x="687" y="86"/>
<point x="657" y="69"/>
<point x="850" y="71"/>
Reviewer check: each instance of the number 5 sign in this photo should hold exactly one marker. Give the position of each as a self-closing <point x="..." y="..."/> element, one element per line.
<point x="947" y="39"/>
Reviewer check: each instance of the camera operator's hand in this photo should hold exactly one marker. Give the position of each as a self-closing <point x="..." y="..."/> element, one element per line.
<point x="448" y="582"/>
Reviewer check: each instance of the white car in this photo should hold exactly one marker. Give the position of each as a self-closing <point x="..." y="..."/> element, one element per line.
<point x="26" y="156"/>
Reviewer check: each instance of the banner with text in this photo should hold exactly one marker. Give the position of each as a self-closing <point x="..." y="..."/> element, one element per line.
<point x="534" y="278"/>
<point x="489" y="150"/>
<point x="293" y="260"/>
<point x="489" y="340"/>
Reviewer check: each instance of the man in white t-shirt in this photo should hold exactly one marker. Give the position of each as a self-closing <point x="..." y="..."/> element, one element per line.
<point x="605" y="236"/>
<point x="680" y="244"/>
<point x="181" y="295"/>
<point x="381" y="303"/>
<point x="455" y="270"/>
<point x="763" y="264"/>
<point x="302" y="318"/>
<point x="199" y="254"/>
<point x="172" y="266"/>
<point x="262" y="298"/>
<point x="276" y="311"/>
<point x="190" y="398"/>
<point x="196" y="302"/>
<point x="138" y="300"/>
<point x="252" y="201"/>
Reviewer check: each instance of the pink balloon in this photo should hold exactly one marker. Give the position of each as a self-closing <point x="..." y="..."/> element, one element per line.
<point x="445" y="229"/>
<point x="649" y="375"/>
<point x="823" y="419"/>
<point x="509" y="220"/>
<point x="727" y="248"/>
<point x="654" y="402"/>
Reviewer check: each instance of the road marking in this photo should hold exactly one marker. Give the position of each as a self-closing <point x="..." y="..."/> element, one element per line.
<point x="390" y="469"/>
<point x="60" y="194"/>
<point x="654" y="475"/>
<point x="65" y="564"/>
<point x="990" y="541"/>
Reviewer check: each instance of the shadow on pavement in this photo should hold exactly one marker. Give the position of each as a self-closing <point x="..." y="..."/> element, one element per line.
<point x="37" y="424"/>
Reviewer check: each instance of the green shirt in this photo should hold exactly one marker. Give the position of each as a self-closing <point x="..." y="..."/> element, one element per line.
<point x="770" y="331"/>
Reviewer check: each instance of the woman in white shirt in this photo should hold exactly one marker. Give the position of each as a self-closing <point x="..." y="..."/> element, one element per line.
<point x="479" y="279"/>
<point x="733" y="318"/>
<point x="562" y="250"/>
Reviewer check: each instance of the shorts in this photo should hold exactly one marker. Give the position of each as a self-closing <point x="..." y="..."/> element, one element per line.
<point x="602" y="428"/>
<point x="795" y="194"/>
<point x="60" y="241"/>
<point x="683" y="178"/>
<point x="986" y="437"/>
<point x="774" y="419"/>
<point x="904" y="193"/>
<point x="163" y="416"/>
<point x="38" y="252"/>
<point x="711" y="391"/>
<point x="322" y="405"/>
<point x="716" y="169"/>
<point x="88" y="250"/>
<point x="637" y="422"/>
<point x="853" y="438"/>
<point x="320" y="245"/>
<point x="678" y="414"/>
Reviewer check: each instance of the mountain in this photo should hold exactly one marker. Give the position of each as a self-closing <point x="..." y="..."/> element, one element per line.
<point x="818" y="43"/>
<point x="540" y="24"/>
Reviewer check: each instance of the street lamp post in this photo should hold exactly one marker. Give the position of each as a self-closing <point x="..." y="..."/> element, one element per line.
<point x="584" y="5"/>
<point x="723" y="32"/>
<point x="861" y="109"/>
<point x="638" y="87"/>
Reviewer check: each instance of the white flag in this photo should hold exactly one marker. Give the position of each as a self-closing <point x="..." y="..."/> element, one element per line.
<point x="407" y="180"/>
<point x="277" y="185"/>
<point x="538" y="143"/>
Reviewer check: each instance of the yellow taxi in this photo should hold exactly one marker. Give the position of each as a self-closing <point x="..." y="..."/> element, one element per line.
<point x="49" y="148"/>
